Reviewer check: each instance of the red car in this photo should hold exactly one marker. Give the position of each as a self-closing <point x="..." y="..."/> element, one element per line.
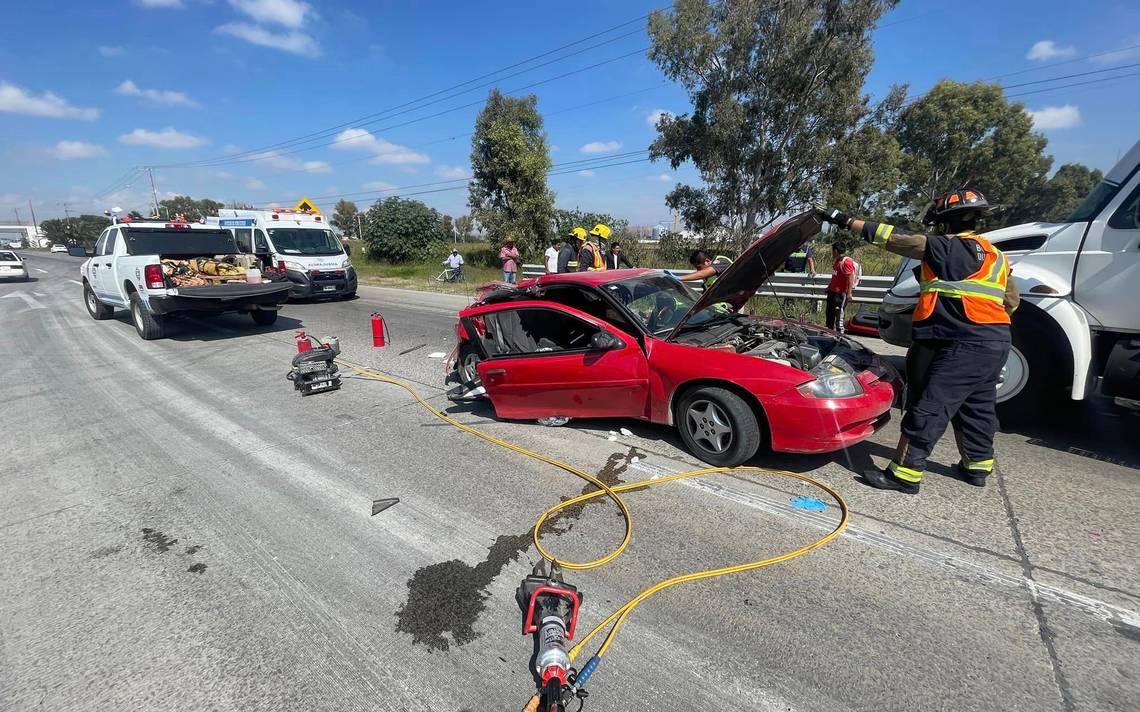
<point x="636" y="343"/>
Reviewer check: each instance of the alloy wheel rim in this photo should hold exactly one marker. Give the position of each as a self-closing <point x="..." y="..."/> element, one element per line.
<point x="138" y="315"/>
<point x="709" y="426"/>
<point x="91" y="301"/>
<point x="1014" y="375"/>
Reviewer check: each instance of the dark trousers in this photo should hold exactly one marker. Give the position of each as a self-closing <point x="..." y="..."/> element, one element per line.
<point x="836" y="301"/>
<point x="951" y="382"/>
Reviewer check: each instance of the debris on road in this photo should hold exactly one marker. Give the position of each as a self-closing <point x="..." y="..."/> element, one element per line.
<point x="379" y="505"/>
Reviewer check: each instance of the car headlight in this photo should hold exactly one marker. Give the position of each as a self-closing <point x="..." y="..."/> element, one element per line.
<point x="832" y="385"/>
<point x="296" y="266"/>
<point x="346" y="264"/>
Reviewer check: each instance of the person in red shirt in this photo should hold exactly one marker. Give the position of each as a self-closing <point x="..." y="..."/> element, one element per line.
<point x="841" y="287"/>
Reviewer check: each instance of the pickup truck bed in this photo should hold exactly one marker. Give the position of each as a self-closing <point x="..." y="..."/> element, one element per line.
<point x="220" y="297"/>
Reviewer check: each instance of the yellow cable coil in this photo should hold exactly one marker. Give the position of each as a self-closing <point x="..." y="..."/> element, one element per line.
<point x="618" y="617"/>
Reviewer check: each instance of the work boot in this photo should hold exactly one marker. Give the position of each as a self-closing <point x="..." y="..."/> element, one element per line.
<point x="881" y="479"/>
<point x="970" y="477"/>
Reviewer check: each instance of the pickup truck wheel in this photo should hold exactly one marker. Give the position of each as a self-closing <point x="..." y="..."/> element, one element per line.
<point x="149" y="326"/>
<point x="1029" y="388"/>
<point x="97" y="309"/>
<point x="264" y="317"/>
<point x="718" y="426"/>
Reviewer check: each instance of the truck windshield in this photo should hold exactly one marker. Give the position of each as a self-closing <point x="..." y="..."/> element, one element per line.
<point x="1094" y="202"/>
<point x="305" y="241"/>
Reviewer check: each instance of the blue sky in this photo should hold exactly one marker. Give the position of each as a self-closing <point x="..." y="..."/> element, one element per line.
<point x="89" y="90"/>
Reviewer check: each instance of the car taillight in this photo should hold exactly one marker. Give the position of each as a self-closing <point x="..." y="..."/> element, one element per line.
<point x="152" y="275"/>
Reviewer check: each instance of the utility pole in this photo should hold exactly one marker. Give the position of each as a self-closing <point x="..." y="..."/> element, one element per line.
<point x="153" y="192"/>
<point x="18" y="220"/>
<point x="35" y="223"/>
<point x="359" y="231"/>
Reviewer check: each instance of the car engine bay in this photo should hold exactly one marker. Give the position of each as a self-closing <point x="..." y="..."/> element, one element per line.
<point x="798" y="346"/>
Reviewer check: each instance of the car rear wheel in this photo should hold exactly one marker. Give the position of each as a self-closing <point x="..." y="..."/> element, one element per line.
<point x="465" y="364"/>
<point x="718" y="426"/>
<point x="97" y="309"/>
<point x="148" y="325"/>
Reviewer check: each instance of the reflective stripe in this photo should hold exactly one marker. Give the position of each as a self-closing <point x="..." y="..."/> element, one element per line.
<point x="971" y="287"/>
<point x="979" y="465"/>
<point x="882" y="234"/>
<point x="904" y="473"/>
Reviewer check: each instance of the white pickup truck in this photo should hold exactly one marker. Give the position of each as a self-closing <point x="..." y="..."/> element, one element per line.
<point x="126" y="270"/>
<point x="1078" y="326"/>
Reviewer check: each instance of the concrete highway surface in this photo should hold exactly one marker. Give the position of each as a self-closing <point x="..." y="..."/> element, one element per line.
<point x="181" y="531"/>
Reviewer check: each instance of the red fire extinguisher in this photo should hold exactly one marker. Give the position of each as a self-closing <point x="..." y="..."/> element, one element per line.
<point x="377" y="329"/>
<point x="303" y="344"/>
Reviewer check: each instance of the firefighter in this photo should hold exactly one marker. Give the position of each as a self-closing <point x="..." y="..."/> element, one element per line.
<point x="568" y="255"/>
<point x="591" y="257"/>
<point x="961" y="338"/>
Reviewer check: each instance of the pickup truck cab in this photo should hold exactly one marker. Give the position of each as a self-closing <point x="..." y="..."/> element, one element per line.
<point x="299" y="241"/>
<point x="126" y="270"/>
<point x="1078" y="327"/>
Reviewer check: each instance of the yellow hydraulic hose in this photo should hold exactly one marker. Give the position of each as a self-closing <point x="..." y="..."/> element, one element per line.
<point x="618" y="617"/>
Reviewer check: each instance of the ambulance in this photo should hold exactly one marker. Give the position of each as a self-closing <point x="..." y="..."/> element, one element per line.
<point x="297" y="241"/>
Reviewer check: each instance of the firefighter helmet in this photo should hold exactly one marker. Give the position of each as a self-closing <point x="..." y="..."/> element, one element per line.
<point x="602" y="231"/>
<point x="958" y="203"/>
<point x="578" y="233"/>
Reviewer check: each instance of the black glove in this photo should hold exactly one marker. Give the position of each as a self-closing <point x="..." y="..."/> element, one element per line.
<point x="832" y="215"/>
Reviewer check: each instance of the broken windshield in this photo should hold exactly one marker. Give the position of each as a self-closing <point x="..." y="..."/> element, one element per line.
<point x="659" y="301"/>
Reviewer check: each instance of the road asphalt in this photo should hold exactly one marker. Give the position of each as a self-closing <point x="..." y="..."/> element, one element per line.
<point x="182" y="531"/>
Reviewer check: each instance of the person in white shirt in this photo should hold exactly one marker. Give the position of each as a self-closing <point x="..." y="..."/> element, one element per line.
<point x="455" y="262"/>
<point x="551" y="255"/>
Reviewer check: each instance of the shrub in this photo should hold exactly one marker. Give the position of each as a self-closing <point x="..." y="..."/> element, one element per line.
<point x="399" y="230"/>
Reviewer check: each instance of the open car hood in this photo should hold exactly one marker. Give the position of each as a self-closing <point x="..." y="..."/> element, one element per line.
<point x="737" y="284"/>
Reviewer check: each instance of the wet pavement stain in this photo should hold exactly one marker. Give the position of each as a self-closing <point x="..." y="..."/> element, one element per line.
<point x="193" y="549"/>
<point x="104" y="551"/>
<point x="610" y="474"/>
<point x="158" y="541"/>
<point x="197" y="568"/>
<point x="446" y="599"/>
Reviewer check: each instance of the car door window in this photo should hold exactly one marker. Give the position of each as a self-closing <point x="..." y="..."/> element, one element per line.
<point x="534" y="331"/>
<point x="112" y="238"/>
<point x="1127" y="216"/>
<point x="260" y="244"/>
<point x="99" y="244"/>
<point x="244" y="237"/>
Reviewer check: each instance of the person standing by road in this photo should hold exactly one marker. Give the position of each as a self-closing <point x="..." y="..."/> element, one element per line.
<point x="454" y="262"/>
<point x="616" y="259"/>
<point x="509" y="256"/>
<point x="841" y="288"/>
<point x="568" y="255"/>
<point x="961" y="338"/>
<point x="551" y="255"/>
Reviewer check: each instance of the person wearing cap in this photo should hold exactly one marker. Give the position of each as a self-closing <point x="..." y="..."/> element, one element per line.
<point x="568" y="255"/>
<point x="961" y="338"/>
<point x="591" y="257"/>
<point x="509" y="256"/>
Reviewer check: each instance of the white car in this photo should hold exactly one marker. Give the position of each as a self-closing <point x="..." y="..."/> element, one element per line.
<point x="59" y="248"/>
<point x="11" y="266"/>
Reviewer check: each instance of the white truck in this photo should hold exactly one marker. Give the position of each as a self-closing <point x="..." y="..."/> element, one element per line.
<point x="126" y="269"/>
<point x="1078" y="327"/>
<point x="300" y="242"/>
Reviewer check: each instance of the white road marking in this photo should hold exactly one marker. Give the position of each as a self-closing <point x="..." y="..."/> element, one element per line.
<point x="437" y="354"/>
<point x="27" y="298"/>
<point x="41" y="270"/>
<point x="1096" y="608"/>
<point x="75" y="281"/>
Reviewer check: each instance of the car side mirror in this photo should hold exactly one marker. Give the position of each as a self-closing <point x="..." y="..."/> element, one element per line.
<point x="605" y="341"/>
<point x="347" y="248"/>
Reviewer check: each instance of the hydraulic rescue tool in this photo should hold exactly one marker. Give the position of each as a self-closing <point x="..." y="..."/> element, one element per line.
<point x="550" y="610"/>
<point x="314" y="369"/>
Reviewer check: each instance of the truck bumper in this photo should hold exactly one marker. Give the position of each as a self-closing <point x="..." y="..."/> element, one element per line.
<point x="324" y="283"/>
<point x="172" y="303"/>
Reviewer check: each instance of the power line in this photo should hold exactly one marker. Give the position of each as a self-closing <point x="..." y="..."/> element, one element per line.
<point x="1071" y="76"/>
<point x="1074" y="84"/>
<point x="1067" y="61"/>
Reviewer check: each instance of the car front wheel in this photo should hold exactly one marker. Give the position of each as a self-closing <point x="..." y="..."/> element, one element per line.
<point x="718" y="426"/>
<point x="97" y="309"/>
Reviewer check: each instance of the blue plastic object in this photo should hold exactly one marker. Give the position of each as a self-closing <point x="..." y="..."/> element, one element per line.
<point x="810" y="504"/>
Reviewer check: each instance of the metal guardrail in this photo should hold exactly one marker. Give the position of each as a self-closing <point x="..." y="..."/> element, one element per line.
<point x="789" y="285"/>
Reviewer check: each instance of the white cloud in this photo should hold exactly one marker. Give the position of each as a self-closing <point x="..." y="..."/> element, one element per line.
<point x="1056" y="117"/>
<point x="1129" y="50"/>
<point x="586" y="174"/>
<point x="1045" y="50"/>
<point x="254" y="184"/>
<point x="155" y="96"/>
<point x="112" y="51"/>
<point x="601" y="147"/>
<point x="166" y="138"/>
<point x="453" y="172"/>
<point x="384" y="152"/>
<point x="231" y="148"/>
<point x="287" y="13"/>
<point x="663" y="177"/>
<point x="16" y="100"/>
<point x="656" y="115"/>
<point x="283" y="162"/>
<point x="160" y="3"/>
<point x="379" y="185"/>
<point x="69" y="150"/>
<point x="293" y="41"/>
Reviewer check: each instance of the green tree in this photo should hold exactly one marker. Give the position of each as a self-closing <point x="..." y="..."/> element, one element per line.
<point x="968" y="135"/>
<point x="81" y="230"/>
<point x="344" y="218"/>
<point x="776" y="89"/>
<point x="1055" y="199"/>
<point x="194" y="210"/>
<point x="509" y="161"/>
<point x="400" y="230"/>
<point x="447" y="223"/>
<point x="465" y="225"/>
<point x="135" y="215"/>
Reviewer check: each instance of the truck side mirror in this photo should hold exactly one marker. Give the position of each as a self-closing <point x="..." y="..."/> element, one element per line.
<point x="347" y="248"/>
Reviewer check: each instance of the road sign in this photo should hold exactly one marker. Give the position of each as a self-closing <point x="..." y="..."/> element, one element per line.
<point x="306" y="204"/>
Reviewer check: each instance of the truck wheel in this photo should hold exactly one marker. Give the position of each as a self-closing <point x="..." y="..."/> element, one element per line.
<point x="1038" y="365"/>
<point x="718" y="426"/>
<point x="149" y="326"/>
<point x="264" y="317"/>
<point x="97" y="309"/>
